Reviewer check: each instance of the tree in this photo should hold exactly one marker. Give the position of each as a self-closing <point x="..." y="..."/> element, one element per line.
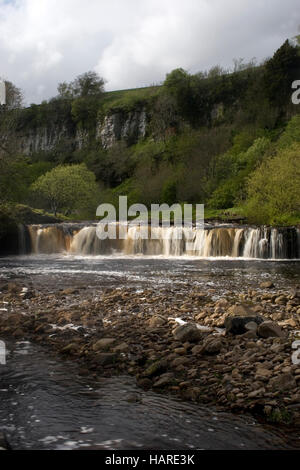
<point x="89" y="84"/>
<point x="67" y="189"/>
<point x="274" y="188"/>
<point x="280" y="71"/>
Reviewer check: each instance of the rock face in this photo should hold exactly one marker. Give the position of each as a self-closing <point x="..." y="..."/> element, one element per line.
<point x="128" y="126"/>
<point x="122" y="126"/>
<point x="44" y="138"/>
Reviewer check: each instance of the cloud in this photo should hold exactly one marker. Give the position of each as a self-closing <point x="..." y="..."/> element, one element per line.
<point x="133" y="43"/>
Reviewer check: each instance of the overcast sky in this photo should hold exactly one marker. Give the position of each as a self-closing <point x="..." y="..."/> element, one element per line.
<point x="133" y="43"/>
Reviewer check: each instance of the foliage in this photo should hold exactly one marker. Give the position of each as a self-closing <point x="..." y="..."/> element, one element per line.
<point x="67" y="189"/>
<point x="86" y="85"/>
<point x="280" y="71"/>
<point x="274" y="188"/>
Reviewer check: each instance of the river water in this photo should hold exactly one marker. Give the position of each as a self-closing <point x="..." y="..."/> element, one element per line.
<point x="45" y="404"/>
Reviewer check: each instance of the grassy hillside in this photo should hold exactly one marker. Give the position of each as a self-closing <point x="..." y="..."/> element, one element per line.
<point x="219" y="138"/>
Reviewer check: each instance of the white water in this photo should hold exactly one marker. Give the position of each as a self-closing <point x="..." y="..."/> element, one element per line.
<point x="247" y="242"/>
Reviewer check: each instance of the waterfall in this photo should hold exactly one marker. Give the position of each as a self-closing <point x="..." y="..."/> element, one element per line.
<point x="234" y="242"/>
<point x="23" y="247"/>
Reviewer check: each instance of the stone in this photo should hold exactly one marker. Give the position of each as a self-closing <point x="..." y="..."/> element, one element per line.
<point x="290" y="322"/>
<point x="179" y="361"/>
<point x="155" y="369"/>
<point x="212" y="345"/>
<point x="251" y="326"/>
<point x="266" y="285"/>
<point x="269" y="329"/>
<point x="188" y="332"/>
<point x="256" y="393"/>
<point x="103" y="344"/>
<point x="156" y="321"/>
<point x="106" y="359"/>
<point x="123" y="347"/>
<point x="283" y="382"/>
<point x="262" y="373"/>
<point x="144" y="383"/>
<point x="69" y="348"/>
<point x="70" y="291"/>
<point x="236" y="324"/>
<point x="164" y="380"/>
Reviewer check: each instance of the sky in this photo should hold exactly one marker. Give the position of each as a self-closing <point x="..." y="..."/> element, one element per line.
<point x="134" y="43"/>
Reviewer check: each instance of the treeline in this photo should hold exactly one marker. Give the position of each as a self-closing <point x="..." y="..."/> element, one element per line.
<point x="229" y="139"/>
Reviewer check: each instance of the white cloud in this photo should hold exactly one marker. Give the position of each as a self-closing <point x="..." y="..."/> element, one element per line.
<point x="133" y="42"/>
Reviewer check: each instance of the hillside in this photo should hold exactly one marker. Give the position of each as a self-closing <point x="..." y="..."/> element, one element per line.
<point x="219" y="138"/>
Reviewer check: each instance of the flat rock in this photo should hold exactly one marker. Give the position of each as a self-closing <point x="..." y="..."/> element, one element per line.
<point x="269" y="329"/>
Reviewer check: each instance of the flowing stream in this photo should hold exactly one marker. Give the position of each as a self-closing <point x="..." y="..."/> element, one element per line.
<point x="45" y="404"/>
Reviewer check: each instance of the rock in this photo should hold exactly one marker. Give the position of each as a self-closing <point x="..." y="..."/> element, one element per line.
<point x="103" y="344"/>
<point x="295" y="293"/>
<point x="123" y="347"/>
<point x="4" y="445"/>
<point x="242" y="310"/>
<point x="106" y="359"/>
<point x="197" y="349"/>
<point x="283" y="382"/>
<point x="70" y="291"/>
<point x="188" y="332"/>
<point x="251" y="326"/>
<point x="290" y="322"/>
<point x="179" y="361"/>
<point x="69" y="348"/>
<point x="262" y="373"/>
<point x="236" y="324"/>
<point x="256" y="393"/>
<point x="133" y="398"/>
<point x="266" y="285"/>
<point x="269" y="329"/>
<point x="155" y="369"/>
<point x="164" y="380"/>
<point x="144" y="383"/>
<point x="156" y="321"/>
<point x="212" y="345"/>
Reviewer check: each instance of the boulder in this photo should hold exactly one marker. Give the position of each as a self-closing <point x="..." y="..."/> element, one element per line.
<point x="188" y="332"/>
<point x="241" y="316"/>
<point x="103" y="344"/>
<point x="269" y="329"/>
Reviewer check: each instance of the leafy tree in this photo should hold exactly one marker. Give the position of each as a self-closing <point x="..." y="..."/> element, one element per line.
<point x="67" y="188"/>
<point x="274" y="188"/>
<point x="87" y="84"/>
<point x="14" y="96"/>
<point x="280" y="71"/>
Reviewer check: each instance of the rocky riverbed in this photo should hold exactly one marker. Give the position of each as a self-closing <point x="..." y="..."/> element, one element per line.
<point x="233" y="351"/>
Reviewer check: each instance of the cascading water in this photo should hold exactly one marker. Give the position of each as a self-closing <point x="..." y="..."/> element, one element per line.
<point x="246" y="242"/>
